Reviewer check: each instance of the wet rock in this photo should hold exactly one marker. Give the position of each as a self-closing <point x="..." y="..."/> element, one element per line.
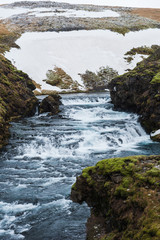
<point x="139" y="91"/>
<point x="155" y="136"/>
<point x="16" y="97"/>
<point x="124" y="195"/>
<point x="50" y="104"/>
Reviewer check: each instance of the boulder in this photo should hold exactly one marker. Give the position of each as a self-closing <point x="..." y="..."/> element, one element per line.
<point x="155" y="136"/>
<point x="50" y="104"/>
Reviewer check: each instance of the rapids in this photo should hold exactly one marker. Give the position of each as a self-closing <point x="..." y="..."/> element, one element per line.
<point x="46" y="153"/>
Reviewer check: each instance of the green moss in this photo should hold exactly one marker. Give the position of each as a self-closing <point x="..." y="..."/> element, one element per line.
<point x="157" y="95"/>
<point x="117" y="165"/>
<point x="140" y="50"/>
<point x="127" y="181"/>
<point x="121" y="192"/>
<point x="154" y="172"/>
<point x="156" y="79"/>
<point x="74" y="186"/>
<point x="125" y="191"/>
<point x="120" y="30"/>
<point x="86" y="174"/>
<point x="107" y="184"/>
<point x="109" y="236"/>
<point x="15" y="95"/>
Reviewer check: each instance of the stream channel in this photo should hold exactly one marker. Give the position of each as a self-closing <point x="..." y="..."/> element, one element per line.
<point x="46" y="153"/>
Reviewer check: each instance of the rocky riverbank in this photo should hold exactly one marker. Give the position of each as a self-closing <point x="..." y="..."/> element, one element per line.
<point x="16" y="97"/>
<point x="124" y="195"/>
<point x="139" y="91"/>
<point x="52" y="19"/>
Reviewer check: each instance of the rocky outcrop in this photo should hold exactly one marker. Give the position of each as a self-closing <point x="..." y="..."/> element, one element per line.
<point x="50" y="104"/>
<point x="59" y="78"/>
<point x="98" y="81"/>
<point x="16" y="97"/>
<point x="124" y="196"/>
<point x="139" y="91"/>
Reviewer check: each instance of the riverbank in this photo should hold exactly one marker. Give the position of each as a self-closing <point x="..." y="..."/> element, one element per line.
<point x="46" y="153"/>
<point x="138" y="91"/>
<point x="124" y="196"/>
<point x="16" y="97"/>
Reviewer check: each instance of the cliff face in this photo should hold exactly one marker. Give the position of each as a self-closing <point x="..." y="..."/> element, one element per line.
<point x="139" y="91"/>
<point x="124" y="194"/>
<point x="16" y="97"/>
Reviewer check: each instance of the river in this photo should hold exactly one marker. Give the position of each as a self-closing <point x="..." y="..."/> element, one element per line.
<point x="46" y="153"/>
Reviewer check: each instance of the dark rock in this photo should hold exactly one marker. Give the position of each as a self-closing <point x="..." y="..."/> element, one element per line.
<point x="16" y="97"/>
<point x="50" y="104"/>
<point x="124" y="195"/>
<point x="139" y="91"/>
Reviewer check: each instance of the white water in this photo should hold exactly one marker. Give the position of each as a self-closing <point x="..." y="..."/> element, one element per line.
<point x="46" y="153"/>
<point x="77" y="51"/>
<point x="124" y="3"/>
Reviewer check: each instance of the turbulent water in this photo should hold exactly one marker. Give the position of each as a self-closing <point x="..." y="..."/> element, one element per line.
<point x="46" y="153"/>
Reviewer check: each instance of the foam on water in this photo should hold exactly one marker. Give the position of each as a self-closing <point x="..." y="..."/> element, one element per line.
<point x="86" y="101"/>
<point x="15" y="207"/>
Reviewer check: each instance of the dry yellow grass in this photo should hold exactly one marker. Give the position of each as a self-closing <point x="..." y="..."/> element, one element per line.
<point x="151" y="13"/>
<point x="3" y="30"/>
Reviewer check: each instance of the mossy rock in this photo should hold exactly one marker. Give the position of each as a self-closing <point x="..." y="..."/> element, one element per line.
<point x="16" y="96"/>
<point x="156" y="79"/>
<point x="50" y="104"/>
<point x="98" y="81"/>
<point x="138" y="90"/>
<point x="125" y="192"/>
<point x="59" y="78"/>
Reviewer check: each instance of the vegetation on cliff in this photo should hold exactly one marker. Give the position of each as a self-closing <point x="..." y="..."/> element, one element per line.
<point x="124" y="194"/>
<point x="139" y="90"/>
<point x="59" y="78"/>
<point x="98" y="81"/>
<point x="7" y="39"/>
<point x="16" y="97"/>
